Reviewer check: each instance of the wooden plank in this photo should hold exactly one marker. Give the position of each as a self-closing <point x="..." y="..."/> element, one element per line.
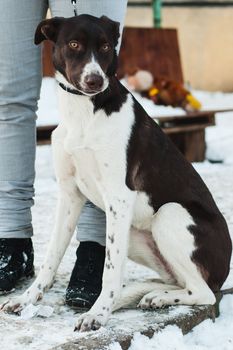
<point x="185" y="129"/>
<point x="146" y="322"/>
<point x="155" y="50"/>
<point x="191" y="115"/>
<point x="183" y="122"/>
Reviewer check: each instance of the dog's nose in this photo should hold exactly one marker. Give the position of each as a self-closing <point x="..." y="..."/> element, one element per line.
<point x="94" y="81"/>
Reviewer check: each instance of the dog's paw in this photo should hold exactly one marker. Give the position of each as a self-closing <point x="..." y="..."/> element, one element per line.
<point x="156" y="301"/>
<point x="90" y="322"/>
<point x="145" y="303"/>
<point x="14" y="305"/>
<point x="18" y="303"/>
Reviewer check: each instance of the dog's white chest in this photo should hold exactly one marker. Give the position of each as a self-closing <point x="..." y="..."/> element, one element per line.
<point x="88" y="175"/>
<point x="97" y="144"/>
<point x="82" y="147"/>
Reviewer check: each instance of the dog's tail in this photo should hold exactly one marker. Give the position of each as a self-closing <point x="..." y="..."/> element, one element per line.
<point x="133" y="293"/>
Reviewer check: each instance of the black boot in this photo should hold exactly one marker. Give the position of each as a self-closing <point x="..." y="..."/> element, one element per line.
<point x="86" y="279"/>
<point x="16" y="261"/>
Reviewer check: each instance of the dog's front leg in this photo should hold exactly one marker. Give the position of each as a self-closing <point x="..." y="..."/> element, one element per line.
<point x="69" y="206"/>
<point x="119" y="217"/>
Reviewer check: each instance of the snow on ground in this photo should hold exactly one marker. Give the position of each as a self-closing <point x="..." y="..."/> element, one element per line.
<point x="43" y="333"/>
<point x="207" y="335"/>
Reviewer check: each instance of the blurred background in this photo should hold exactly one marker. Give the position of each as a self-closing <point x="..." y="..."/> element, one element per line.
<point x="205" y="30"/>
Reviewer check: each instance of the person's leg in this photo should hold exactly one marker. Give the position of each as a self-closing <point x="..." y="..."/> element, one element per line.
<point x="20" y="78"/>
<point x="86" y="278"/>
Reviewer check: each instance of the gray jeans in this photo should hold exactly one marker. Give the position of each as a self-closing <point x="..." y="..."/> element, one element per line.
<point x="20" y="81"/>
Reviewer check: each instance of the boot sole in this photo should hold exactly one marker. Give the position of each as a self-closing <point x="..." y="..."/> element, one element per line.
<point x="75" y="305"/>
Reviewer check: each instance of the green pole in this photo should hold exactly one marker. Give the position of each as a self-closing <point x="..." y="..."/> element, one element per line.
<point x="157" y="13"/>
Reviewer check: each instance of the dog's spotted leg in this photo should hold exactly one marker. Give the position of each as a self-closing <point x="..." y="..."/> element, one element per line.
<point x="119" y="215"/>
<point x="69" y="206"/>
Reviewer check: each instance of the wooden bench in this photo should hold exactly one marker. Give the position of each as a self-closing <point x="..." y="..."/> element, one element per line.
<point x="157" y="51"/>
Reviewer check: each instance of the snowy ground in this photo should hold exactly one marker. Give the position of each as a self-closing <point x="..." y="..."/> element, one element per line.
<point x="44" y="333"/>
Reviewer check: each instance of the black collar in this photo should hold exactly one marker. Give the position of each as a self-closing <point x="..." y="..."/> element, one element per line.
<point x="71" y="91"/>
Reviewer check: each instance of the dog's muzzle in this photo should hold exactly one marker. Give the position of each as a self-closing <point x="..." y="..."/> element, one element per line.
<point x="94" y="82"/>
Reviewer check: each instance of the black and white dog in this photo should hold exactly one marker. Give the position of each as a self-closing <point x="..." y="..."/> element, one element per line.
<point x="107" y="149"/>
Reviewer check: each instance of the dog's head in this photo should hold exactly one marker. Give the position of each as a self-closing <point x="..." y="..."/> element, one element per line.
<point x="84" y="50"/>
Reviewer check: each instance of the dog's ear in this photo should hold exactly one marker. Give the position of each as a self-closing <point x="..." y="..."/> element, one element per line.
<point x="114" y="28"/>
<point x="48" y="29"/>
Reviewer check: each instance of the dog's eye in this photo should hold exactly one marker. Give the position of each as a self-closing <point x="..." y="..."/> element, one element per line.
<point x="105" y="47"/>
<point x="75" y="45"/>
